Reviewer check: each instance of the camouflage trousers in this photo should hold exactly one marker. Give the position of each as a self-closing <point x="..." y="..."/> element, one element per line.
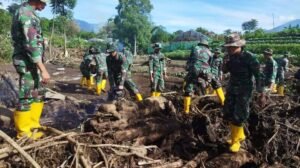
<point x="100" y="75"/>
<point x="30" y="88"/>
<point x="192" y="81"/>
<point x="158" y="83"/>
<point x="115" y="81"/>
<point x="280" y="78"/>
<point x="237" y="101"/>
<point x="85" y="71"/>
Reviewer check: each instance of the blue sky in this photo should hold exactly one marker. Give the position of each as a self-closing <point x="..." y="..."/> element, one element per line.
<point x="215" y="15"/>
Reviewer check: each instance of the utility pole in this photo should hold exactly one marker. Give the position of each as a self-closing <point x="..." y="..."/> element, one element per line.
<point x="273" y="20"/>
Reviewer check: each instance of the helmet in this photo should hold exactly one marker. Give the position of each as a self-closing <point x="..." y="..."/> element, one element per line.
<point x="203" y="41"/>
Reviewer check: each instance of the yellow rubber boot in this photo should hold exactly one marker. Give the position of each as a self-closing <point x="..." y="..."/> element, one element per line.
<point x="207" y="91"/>
<point x="187" y="104"/>
<point x="139" y="97"/>
<point x="89" y="84"/>
<point x="98" y="89"/>
<point x="274" y="88"/>
<point x="83" y="81"/>
<point x="92" y="80"/>
<point x="36" y="112"/>
<point x="23" y="123"/>
<point x="281" y="90"/>
<point x="157" y="94"/>
<point x="242" y="135"/>
<point x="153" y="94"/>
<point x="236" y="133"/>
<point x="103" y="84"/>
<point x="221" y="96"/>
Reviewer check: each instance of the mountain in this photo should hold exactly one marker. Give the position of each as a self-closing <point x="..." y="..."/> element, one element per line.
<point x="292" y="23"/>
<point x="89" y="27"/>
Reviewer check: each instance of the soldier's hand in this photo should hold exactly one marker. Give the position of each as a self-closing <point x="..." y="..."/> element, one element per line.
<point x="262" y="100"/>
<point x="121" y="87"/>
<point x="45" y="77"/>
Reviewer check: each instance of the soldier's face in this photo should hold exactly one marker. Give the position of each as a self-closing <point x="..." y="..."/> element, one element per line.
<point x="234" y="50"/>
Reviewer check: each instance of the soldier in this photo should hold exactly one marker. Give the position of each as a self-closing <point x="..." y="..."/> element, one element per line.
<point x="101" y="71"/>
<point x="157" y="70"/>
<point x="241" y="65"/>
<point x="28" y="43"/>
<point x="86" y="67"/>
<point x="118" y="68"/>
<point x="270" y="70"/>
<point x="199" y="68"/>
<point x="283" y="66"/>
<point x="216" y="63"/>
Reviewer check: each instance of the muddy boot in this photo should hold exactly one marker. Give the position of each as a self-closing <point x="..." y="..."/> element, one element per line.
<point x="157" y="94"/>
<point x="89" y="83"/>
<point x="36" y="112"/>
<point x="83" y="81"/>
<point x="221" y="96"/>
<point x="139" y="97"/>
<point x="281" y="90"/>
<point x="274" y="88"/>
<point x="236" y="133"/>
<point x="242" y="135"/>
<point x="98" y="89"/>
<point x="23" y="123"/>
<point x="153" y="94"/>
<point x="187" y="104"/>
<point x="103" y="84"/>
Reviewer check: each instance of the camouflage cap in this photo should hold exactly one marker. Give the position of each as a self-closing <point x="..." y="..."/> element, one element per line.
<point x="217" y="50"/>
<point x="268" y="51"/>
<point x="111" y="48"/>
<point x="287" y="54"/>
<point x="234" y="40"/>
<point x="203" y="41"/>
<point x="93" y="50"/>
<point x="157" y="46"/>
<point x="45" y="1"/>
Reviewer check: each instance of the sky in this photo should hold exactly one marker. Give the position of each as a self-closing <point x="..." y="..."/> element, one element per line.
<point x="214" y="15"/>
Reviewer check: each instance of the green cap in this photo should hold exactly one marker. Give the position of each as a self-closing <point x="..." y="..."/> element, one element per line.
<point x="111" y="48"/>
<point x="157" y="46"/>
<point x="217" y="50"/>
<point x="268" y="51"/>
<point x="203" y="41"/>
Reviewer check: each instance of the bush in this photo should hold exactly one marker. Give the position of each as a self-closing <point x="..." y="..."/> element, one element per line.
<point x="6" y="48"/>
<point x="178" y="55"/>
<point x="77" y="43"/>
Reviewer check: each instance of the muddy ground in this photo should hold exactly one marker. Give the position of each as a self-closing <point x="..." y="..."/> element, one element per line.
<point x="155" y="132"/>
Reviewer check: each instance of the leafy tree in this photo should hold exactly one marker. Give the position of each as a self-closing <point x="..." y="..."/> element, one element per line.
<point x="159" y="34"/>
<point x="250" y="25"/>
<point x="132" y="23"/>
<point x="5" y="20"/>
<point x="227" y="32"/>
<point x="107" y="30"/>
<point x="86" y="35"/>
<point x="12" y="8"/>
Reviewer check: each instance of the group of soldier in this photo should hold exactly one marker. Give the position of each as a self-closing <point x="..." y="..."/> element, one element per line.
<point x="203" y="69"/>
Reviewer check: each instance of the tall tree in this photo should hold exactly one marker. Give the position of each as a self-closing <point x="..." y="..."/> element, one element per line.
<point x="12" y="8"/>
<point x="250" y="26"/>
<point x="64" y="9"/>
<point x="159" y="34"/>
<point x="132" y="23"/>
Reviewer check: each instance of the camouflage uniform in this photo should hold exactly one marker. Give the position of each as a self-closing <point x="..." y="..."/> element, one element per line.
<point x="118" y="75"/>
<point x="270" y="72"/>
<point x="216" y="63"/>
<point x="101" y="67"/>
<point x="282" y="68"/>
<point x="198" y="66"/>
<point x="85" y="65"/>
<point x="242" y="68"/>
<point x="28" y="43"/>
<point x="157" y="67"/>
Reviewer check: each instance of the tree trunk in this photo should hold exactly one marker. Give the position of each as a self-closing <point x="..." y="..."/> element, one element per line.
<point x="51" y="37"/>
<point x="66" y="54"/>
<point x="134" y="45"/>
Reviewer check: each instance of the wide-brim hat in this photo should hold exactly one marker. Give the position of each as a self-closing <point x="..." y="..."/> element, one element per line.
<point x="268" y="51"/>
<point x="234" y="40"/>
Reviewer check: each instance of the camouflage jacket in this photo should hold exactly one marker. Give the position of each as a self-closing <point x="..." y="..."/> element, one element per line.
<point x="242" y="68"/>
<point x="216" y="64"/>
<point x="117" y="67"/>
<point x="129" y="58"/>
<point x="283" y="64"/>
<point x="100" y="62"/>
<point x="27" y="37"/>
<point x="270" y="70"/>
<point x="199" y="59"/>
<point x="157" y="63"/>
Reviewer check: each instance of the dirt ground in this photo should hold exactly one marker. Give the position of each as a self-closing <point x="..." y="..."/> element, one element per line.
<point x="273" y="137"/>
